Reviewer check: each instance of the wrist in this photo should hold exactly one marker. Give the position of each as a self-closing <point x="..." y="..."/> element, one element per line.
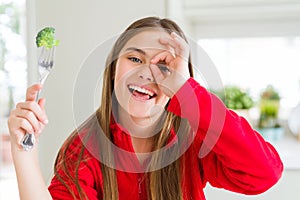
<point x="19" y="154"/>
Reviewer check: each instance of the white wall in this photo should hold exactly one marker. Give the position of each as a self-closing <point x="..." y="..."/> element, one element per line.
<point x="239" y="18"/>
<point x="80" y="27"/>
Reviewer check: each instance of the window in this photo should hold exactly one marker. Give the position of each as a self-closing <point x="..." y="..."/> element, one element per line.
<point x="13" y="72"/>
<point x="254" y="63"/>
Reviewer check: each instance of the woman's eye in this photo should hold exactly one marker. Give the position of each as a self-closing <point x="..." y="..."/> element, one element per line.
<point x="163" y="67"/>
<point x="136" y="60"/>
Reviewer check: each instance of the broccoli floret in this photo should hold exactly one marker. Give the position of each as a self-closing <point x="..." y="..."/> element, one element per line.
<point x="45" y="38"/>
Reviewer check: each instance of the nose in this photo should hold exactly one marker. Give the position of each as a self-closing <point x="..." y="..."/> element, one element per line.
<point x="145" y="73"/>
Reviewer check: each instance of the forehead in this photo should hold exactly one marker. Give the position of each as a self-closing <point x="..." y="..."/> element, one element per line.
<point x="148" y="39"/>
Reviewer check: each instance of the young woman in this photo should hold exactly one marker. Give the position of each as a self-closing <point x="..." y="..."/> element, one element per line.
<point x="158" y="134"/>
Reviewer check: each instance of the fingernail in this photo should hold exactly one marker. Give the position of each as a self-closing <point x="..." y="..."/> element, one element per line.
<point x="46" y="121"/>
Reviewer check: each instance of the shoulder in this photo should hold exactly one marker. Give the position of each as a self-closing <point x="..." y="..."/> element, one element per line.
<point x="77" y="149"/>
<point x="76" y="168"/>
<point x="75" y="158"/>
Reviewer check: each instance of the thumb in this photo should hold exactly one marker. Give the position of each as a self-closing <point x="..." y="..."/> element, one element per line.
<point x="32" y="92"/>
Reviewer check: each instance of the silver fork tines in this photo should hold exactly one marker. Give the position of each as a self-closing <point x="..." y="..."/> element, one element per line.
<point x="45" y="64"/>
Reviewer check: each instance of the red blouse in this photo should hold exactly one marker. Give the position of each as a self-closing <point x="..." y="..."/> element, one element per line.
<point x="225" y="151"/>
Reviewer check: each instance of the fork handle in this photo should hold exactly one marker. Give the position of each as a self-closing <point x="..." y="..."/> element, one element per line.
<point x="29" y="138"/>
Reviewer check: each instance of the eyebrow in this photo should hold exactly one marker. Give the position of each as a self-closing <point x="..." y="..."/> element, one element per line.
<point x="136" y="49"/>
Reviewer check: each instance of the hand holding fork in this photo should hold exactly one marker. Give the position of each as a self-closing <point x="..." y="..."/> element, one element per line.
<point x="45" y="64"/>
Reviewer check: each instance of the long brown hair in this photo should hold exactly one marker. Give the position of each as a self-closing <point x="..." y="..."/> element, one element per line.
<point x="162" y="183"/>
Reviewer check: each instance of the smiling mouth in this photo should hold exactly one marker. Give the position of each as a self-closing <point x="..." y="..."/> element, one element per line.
<point x="141" y="93"/>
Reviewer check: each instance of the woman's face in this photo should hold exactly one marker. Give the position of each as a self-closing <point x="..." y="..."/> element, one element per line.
<point x="135" y="87"/>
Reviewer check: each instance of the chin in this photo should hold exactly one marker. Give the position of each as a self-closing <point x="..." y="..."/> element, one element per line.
<point x="143" y="111"/>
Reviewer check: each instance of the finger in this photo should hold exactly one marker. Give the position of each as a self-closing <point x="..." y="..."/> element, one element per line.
<point x="157" y="74"/>
<point x="168" y="42"/>
<point x="15" y="123"/>
<point x="35" y="108"/>
<point x="177" y="37"/>
<point x="165" y="56"/>
<point x="30" y="118"/>
<point x="42" y="126"/>
<point x="32" y="92"/>
<point x="178" y="43"/>
<point x="42" y="102"/>
<point x="24" y="125"/>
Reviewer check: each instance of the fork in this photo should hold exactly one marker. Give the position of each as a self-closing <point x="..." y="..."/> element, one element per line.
<point x="45" y="64"/>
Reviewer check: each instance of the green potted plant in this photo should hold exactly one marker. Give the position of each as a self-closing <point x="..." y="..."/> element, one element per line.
<point x="237" y="99"/>
<point x="269" y="105"/>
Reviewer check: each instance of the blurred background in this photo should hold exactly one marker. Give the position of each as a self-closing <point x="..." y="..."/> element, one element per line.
<point x="253" y="44"/>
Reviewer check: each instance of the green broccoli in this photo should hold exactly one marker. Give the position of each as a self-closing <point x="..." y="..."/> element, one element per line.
<point x="45" y="38"/>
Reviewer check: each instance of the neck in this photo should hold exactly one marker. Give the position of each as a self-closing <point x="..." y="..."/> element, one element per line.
<point x="141" y="129"/>
<point x="142" y="147"/>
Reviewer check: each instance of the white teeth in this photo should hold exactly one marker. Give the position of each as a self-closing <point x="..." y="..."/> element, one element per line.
<point x="142" y="90"/>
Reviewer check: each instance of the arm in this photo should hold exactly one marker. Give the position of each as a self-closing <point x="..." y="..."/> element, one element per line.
<point x="29" y="117"/>
<point x="233" y="155"/>
<point x="30" y="180"/>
